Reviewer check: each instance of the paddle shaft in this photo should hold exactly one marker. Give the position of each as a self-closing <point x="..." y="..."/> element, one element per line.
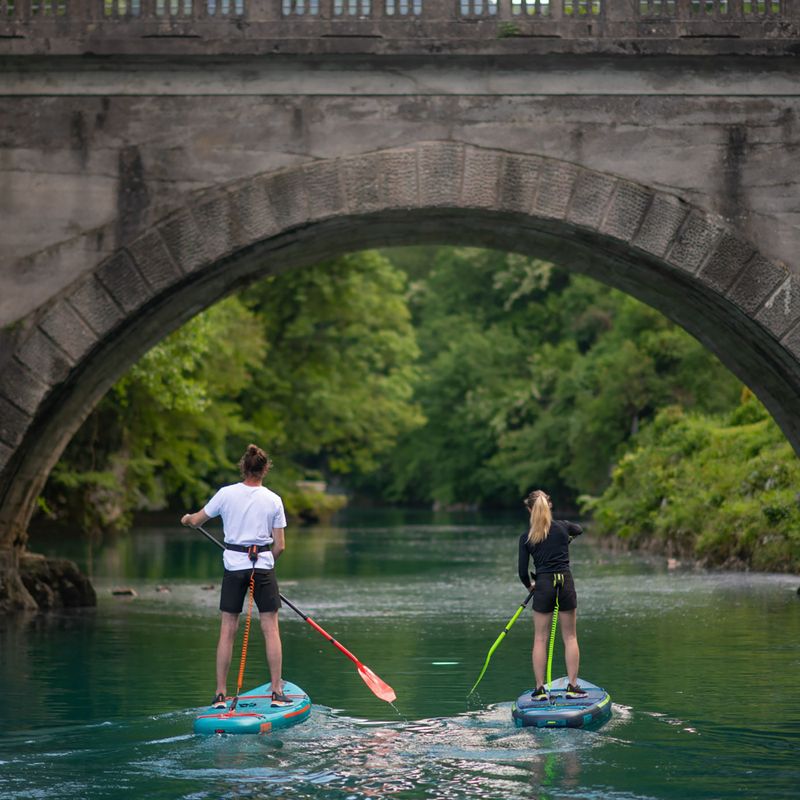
<point x="500" y="639"/>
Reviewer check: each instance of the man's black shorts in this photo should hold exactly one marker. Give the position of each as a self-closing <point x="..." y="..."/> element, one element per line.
<point x="544" y="596"/>
<point x="236" y="584"/>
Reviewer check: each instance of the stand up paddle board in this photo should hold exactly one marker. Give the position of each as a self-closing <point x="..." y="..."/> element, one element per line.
<point x="563" y="712"/>
<point x="254" y="712"/>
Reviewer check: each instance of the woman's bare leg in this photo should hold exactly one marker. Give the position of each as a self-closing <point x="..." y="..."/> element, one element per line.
<point x="572" y="654"/>
<point x="541" y="637"/>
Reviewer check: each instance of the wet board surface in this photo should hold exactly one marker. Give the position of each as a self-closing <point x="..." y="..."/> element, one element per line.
<point x="559" y="711"/>
<point x="254" y="712"/>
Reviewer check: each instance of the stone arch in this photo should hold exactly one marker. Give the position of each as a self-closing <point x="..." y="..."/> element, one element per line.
<point x="686" y="262"/>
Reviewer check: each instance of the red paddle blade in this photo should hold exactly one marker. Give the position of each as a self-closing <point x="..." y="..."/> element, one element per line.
<point x="378" y="687"/>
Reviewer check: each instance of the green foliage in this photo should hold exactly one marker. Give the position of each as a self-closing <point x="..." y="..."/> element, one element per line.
<point x="531" y="376"/>
<point x="718" y="488"/>
<point x="161" y="431"/>
<point x="316" y="365"/>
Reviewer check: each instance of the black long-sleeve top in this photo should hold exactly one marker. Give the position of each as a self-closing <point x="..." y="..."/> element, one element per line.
<point x="549" y="555"/>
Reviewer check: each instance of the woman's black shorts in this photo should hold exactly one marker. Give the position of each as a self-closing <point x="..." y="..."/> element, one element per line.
<point x="236" y="584"/>
<point x="544" y="595"/>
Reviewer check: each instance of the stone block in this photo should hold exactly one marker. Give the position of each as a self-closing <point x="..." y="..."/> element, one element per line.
<point x="695" y="240"/>
<point x="65" y="327"/>
<point x="5" y="455"/>
<point x="518" y="182"/>
<point x="40" y="356"/>
<point x="185" y="241"/>
<point x="782" y="308"/>
<point x="13" y="423"/>
<point x="791" y="341"/>
<point x="556" y="182"/>
<point x="154" y="261"/>
<point x="124" y="283"/>
<point x="400" y="187"/>
<point x="481" y="178"/>
<point x="364" y="184"/>
<point x="252" y="213"/>
<point x="95" y="305"/>
<point x="441" y="171"/>
<point x="326" y="195"/>
<point x="288" y="198"/>
<point x="626" y="210"/>
<point x="725" y="263"/>
<point x="214" y="218"/>
<point x="24" y="389"/>
<point x="590" y="199"/>
<point x="758" y="280"/>
<point x="660" y="225"/>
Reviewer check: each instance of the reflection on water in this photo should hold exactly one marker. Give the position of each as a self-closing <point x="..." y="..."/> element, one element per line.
<point x="100" y="703"/>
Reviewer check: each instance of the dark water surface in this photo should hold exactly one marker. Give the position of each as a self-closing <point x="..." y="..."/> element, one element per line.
<point x="703" y="669"/>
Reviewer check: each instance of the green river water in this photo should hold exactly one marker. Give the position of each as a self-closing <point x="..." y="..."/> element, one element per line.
<point x="703" y="669"/>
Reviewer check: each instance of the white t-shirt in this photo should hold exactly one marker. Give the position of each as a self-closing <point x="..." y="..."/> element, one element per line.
<point x="249" y="513"/>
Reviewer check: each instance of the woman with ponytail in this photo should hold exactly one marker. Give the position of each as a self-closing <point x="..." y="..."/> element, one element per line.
<point x="547" y="542"/>
<point x="254" y="522"/>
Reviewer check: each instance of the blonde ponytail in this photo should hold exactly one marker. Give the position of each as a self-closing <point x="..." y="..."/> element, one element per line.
<point x="541" y="516"/>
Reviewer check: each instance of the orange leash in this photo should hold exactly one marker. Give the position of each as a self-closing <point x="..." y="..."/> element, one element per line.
<point x="253" y="553"/>
<point x="243" y="660"/>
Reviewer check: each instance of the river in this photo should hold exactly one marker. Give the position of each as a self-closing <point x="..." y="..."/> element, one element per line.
<point x="703" y="669"/>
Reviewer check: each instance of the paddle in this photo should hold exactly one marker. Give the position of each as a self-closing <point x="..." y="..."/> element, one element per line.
<point x="378" y="687"/>
<point x="500" y="639"/>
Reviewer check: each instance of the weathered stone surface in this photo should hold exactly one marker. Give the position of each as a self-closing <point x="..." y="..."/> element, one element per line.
<point x="759" y="279"/>
<point x="95" y="305"/>
<point x="694" y="242"/>
<point x="590" y="198"/>
<point x="289" y="199"/>
<point x="56" y="582"/>
<point x="219" y="231"/>
<point x="481" y="178"/>
<point x="63" y="325"/>
<point x="626" y="210"/>
<point x="124" y="283"/>
<point x="556" y="183"/>
<point x="328" y="198"/>
<point x="782" y="309"/>
<point x="518" y="183"/>
<point x="364" y="182"/>
<point x="440" y="168"/>
<point x="661" y="223"/>
<point x="22" y="387"/>
<point x="13" y="423"/>
<point x="185" y="241"/>
<point x="252" y="210"/>
<point x="41" y="356"/>
<point x="154" y="261"/>
<point x="5" y="455"/>
<point x="400" y="185"/>
<point x="726" y="262"/>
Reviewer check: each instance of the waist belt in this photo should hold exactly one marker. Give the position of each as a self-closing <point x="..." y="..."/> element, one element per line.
<point x="248" y="548"/>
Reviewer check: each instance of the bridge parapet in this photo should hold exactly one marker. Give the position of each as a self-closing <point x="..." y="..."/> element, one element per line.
<point x="63" y="27"/>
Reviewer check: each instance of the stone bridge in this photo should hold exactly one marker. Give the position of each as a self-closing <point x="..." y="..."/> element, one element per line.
<point x="157" y="154"/>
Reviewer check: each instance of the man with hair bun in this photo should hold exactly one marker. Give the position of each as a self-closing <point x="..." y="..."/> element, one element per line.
<point x="254" y="522"/>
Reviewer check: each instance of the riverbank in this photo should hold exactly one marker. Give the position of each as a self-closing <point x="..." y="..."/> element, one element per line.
<point x="721" y="491"/>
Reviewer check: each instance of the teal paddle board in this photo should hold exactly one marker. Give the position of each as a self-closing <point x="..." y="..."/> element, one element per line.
<point x="254" y="713"/>
<point x="560" y="711"/>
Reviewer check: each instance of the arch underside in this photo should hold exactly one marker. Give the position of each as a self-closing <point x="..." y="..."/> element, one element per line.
<point x="677" y="258"/>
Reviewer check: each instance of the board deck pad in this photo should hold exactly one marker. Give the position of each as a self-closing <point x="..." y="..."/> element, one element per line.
<point x="254" y="714"/>
<point x="563" y="712"/>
